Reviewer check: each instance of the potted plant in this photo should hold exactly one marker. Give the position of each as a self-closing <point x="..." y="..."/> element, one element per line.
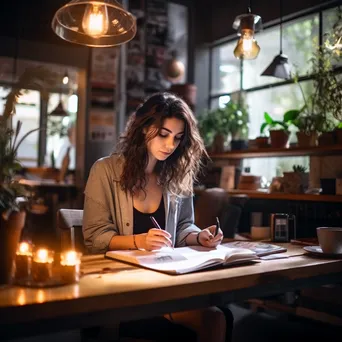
<point x="297" y="181"/>
<point x="324" y="105"/>
<point x="278" y="130"/>
<point x="12" y="213"/>
<point x="216" y="125"/>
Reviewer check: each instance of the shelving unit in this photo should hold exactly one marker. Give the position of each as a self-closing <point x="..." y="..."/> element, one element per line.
<point x="290" y="197"/>
<point x="280" y="152"/>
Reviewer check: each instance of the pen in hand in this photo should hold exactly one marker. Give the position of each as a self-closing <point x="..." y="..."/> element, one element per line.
<point x="217" y="226"/>
<point x="156" y="224"/>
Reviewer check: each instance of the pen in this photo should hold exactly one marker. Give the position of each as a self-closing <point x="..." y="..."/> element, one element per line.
<point x="217" y="226"/>
<point x="156" y="224"/>
<point x="154" y="221"/>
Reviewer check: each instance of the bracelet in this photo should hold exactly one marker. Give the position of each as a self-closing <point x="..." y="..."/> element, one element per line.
<point x="197" y="239"/>
<point x="135" y="243"/>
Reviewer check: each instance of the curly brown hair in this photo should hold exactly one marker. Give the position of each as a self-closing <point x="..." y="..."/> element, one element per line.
<point x="180" y="170"/>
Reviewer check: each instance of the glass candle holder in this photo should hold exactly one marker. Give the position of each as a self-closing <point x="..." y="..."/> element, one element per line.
<point x="23" y="259"/>
<point x="70" y="266"/>
<point x="42" y="265"/>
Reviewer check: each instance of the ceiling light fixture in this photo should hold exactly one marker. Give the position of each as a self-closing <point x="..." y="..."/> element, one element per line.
<point x="280" y="66"/>
<point x="100" y="23"/>
<point x="247" y="24"/>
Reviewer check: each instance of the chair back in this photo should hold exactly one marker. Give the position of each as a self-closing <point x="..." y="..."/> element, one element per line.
<point x="214" y="202"/>
<point x="69" y="222"/>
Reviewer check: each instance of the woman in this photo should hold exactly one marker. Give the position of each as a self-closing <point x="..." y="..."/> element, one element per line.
<point x="152" y="173"/>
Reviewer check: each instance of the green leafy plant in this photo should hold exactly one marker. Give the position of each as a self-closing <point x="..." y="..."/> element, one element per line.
<point x="232" y="119"/>
<point x="299" y="168"/>
<point x="289" y="117"/>
<point x="10" y="190"/>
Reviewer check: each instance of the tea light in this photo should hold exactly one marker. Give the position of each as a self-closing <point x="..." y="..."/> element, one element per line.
<point x="42" y="265"/>
<point x="70" y="266"/>
<point x="23" y="258"/>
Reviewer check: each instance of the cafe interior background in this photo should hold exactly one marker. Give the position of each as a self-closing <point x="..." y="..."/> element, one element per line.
<point x="191" y="48"/>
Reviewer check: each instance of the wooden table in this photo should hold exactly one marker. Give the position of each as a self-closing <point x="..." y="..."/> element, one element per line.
<point x="127" y="292"/>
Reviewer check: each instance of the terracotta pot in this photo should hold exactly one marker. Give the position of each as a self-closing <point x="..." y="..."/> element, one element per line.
<point x="261" y="142"/>
<point x="326" y="139"/>
<point x="339" y="136"/>
<point x="279" y="138"/>
<point x="295" y="182"/>
<point x="10" y="232"/>
<point x="306" y="139"/>
<point x="218" y="143"/>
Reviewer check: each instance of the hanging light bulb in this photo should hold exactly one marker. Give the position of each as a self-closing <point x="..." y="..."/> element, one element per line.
<point x="65" y="78"/>
<point x="96" y="23"/>
<point x="247" y="25"/>
<point x="95" y="20"/>
<point x="247" y="47"/>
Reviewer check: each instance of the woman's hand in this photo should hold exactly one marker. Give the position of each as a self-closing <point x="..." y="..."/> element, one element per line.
<point x="207" y="239"/>
<point x="155" y="239"/>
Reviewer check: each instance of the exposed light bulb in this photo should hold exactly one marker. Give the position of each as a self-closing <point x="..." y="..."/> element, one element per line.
<point x="247" y="47"/>
<point x="65" y="79"/>
<point x="95" y="20"/>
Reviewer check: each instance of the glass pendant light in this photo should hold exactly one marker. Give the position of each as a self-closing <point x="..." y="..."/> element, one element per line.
<point x="280" y="66"/>
<point x="100" y="23"/>
<point x="247" y="24"/>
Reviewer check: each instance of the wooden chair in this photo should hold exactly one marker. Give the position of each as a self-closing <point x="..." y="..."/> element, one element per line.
<point x="69" y="223"/>
<point x="214" y="202"/>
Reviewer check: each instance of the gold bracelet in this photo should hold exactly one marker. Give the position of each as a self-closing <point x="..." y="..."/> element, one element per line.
<point x="135" y="243"/>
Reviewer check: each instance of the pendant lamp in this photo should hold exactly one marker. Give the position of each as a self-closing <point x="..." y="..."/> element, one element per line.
<point x="280" y="66"/>
<point x="99" y="23"/>
<point x="247" y="24"/>
<point x="59" y="110"/>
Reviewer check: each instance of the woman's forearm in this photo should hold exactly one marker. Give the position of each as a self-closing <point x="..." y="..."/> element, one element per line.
<point x="191" y="239"/>
<point x="126" y="242"/>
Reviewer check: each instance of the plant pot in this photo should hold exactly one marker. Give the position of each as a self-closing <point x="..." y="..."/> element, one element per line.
<point x="218" y="143"/>
<point x="326" y="139"/>
<point x="261" y="142"/>
<point x="238" y="145"/>
<point x="10" y="232"/>
<point x="295" y="182"/>
<point x="328" y="186"/>
<point x="339" y="136"/>
<point x="306" y="139"/>
<point x="279" y="138"/>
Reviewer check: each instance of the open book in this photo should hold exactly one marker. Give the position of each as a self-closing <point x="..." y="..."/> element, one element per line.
<point x="260" y="248"/>
<point x="185" y="259"/>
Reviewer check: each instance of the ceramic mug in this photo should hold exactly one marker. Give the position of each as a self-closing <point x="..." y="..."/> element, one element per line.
<point x="330" y="239"/>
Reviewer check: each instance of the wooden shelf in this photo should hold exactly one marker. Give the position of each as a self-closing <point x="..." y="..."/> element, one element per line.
<point x="291" y="197"/>
<point x="280" y="152"/>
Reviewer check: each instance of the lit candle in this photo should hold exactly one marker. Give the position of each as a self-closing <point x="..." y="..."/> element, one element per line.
<point x="70" y="266"/>
<point x="23" y="260"/>
<point x="42" y="265"/>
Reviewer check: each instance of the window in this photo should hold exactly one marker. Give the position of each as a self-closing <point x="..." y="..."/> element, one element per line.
<point x="269" y="94"/>
<point x="28" y="112"/>
<point x="299" y="39"/>
<point x="225" y="70"/>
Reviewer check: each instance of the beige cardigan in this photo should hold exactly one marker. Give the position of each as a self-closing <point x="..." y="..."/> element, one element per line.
<point x="108" y="210"/>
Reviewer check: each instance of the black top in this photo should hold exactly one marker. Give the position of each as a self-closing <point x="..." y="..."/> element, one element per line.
<point x="142" y="222"/>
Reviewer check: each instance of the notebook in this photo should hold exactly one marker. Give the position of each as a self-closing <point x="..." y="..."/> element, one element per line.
<point x="185" y="259"/>
<point x="260" y="248"/>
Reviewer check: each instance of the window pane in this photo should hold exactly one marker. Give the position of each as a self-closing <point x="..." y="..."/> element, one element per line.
<point x="275" y="101"/>
<point x="225" y="69"/>
<point x="299" y="39"/>
<point x="61" y="131"/>
<point x="330" y="18"/>
<point x="272" y="167"/>
<point x="28" y="112"/>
